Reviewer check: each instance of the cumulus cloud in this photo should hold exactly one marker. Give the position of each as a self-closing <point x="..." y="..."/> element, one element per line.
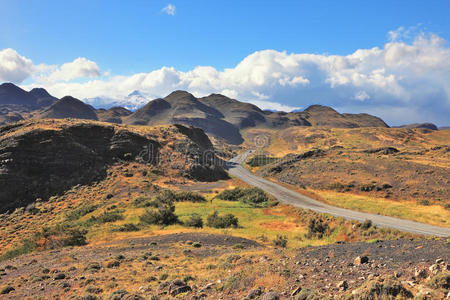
<point x="14" y="67"/>
<point x="79" y="68"/>
<point x="408" y="78"/>
<point x="170" y="9"/>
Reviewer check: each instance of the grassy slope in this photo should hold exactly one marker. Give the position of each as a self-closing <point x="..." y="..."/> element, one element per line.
<point x="300" y="139"/>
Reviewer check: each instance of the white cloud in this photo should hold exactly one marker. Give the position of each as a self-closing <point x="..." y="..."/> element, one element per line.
<point x="361" y="96"/>
<point x="170" y="9"/>
<point x="14" y="67"/>
<point x="269" y="105"/>
<point x="399" y="76"/>
<point x="79" y="68"/>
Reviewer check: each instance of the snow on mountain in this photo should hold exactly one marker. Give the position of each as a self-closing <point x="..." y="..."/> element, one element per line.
<point x="132" y="101"/>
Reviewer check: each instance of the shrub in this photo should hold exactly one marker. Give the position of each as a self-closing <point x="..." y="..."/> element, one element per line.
<point x="163" y="215"/>
<point x="260" y="160"/>
<point x="317" y="228"/>
<point x="366" y="224"/>
<point x="145" y="202"/>
<point x="255" y="197"/>
<point x="7" y="289"/>
<point x="368" y="187"/>
<point x="189" y="196"/>
<point x="168" y="196"/>
<point x="341" y="187"/>
<point x="252" y="196"/>
<point x="238" y="246"/>
<point x="195" y="220"/>
<point x="129" y="227"/>
<point x="106" y="217"/>
<point x="280" y="241"/>
<point x="440" y="281"/>
<point x="424" y="202"/>
<point x="231" y="195"/>
<point x="163" y="276"/>
<point x="80" y="212"/>
<point x="76" y="237"/>
<point x="307" y="294"/>
<point x="225" y="221"/>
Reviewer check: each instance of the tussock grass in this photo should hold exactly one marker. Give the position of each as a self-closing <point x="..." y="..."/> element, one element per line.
<point x="431" y="214"/>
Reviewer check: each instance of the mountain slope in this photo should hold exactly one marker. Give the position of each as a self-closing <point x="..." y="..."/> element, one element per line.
<point x="68" y="107"/>
<point x="49" y="157"/>
<point x="12" y="94"/>
<point x="183" y="108"/>
<point x="224" y="117"/>
<point x="112" y="115"/>
<point x="319" y="115"/>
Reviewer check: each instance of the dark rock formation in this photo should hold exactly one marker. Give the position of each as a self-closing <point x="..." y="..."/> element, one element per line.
<point x="41" y="163"/>
<point x="69" y="107"/>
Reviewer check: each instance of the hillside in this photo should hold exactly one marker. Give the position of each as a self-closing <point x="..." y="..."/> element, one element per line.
<point x="224" y="117"/>
<point x="39" y="154"/>
<point x="391" y="171"/>
<point x="17" y="104"/>
<point x="112" y="115"/>
<point x="148" y="212"/>
<point x="68" y="107"/>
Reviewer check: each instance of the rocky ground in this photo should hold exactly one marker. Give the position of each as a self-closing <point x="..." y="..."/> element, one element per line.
<point x="207" y="266"/>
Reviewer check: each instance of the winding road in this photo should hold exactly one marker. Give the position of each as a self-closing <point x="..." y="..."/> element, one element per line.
<point x="293" y="198"/>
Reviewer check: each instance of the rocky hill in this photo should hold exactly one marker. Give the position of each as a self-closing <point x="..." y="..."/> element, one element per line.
<point x="420" y="125"/>
<point x="39" y="159"/>
<point x="224" y="117"/>
<point x="68" y="107"/>
<point x="319" y="115"/>
<point x="16" y="103"/>
<point x="112" y="115"/>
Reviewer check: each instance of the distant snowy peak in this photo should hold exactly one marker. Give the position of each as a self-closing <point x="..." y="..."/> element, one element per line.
<point x="133" y="101"/>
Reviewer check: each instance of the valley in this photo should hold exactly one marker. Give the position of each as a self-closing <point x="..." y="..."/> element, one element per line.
<point x="214" y="198"/>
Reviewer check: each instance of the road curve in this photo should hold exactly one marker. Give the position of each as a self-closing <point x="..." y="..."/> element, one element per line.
<point x="293" y="198"/>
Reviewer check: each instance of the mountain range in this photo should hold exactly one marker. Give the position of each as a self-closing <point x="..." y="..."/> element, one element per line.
<point x="218" y="115"/>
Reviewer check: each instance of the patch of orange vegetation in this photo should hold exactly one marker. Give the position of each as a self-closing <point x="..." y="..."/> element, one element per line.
<point x="271" y="279"/>
<point x="285" y="226"/>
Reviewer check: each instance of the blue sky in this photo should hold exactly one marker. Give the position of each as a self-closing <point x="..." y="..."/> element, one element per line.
<point x="124" y="38"/>
<point x="136" y="36"/>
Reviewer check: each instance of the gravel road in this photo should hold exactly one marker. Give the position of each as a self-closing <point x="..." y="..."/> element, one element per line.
<point x="293" y="198"/>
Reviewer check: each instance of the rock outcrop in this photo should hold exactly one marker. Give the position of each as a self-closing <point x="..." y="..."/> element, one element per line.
<point x="37" y="161"/>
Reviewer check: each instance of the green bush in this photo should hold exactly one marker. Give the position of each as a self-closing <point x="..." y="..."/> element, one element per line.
<point x="366" y="224"/>
<point x="80" y="212"/>
<point x="163" y="215"/>
<point x="424" y="202"/>
<point x="129" y="227"/>
<point x="280" y="241"/>
<point x="260" y="160"/>
<point x="145" y="202"/>
<point x="255" y="197"/>
<point x="195" y="220"/>
<point x="7" y="289"/>
<point x="440" y="281"/>
<point x="216" y="221"/>
<point x="189" y="197"/>
<point x="317" y="228"/>
<point x="231" y="195"/>
<point x="252" y="196"/>
<point x="106" y="217"/>
<point x="76" y="237"/>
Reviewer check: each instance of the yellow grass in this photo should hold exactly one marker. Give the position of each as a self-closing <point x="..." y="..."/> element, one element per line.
<point x="432" y="214"/>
